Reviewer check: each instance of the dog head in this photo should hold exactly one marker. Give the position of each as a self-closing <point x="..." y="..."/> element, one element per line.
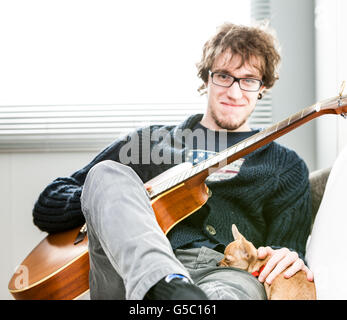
<point x="240" y="253"/>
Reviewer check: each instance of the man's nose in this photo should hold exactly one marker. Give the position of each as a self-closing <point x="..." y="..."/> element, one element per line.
<point x="234" y="91"/>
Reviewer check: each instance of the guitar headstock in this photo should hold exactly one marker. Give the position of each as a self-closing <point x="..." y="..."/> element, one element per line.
<point x="337" y="105"/>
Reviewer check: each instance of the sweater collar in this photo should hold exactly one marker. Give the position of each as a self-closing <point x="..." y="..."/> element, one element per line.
<point x="192" y="120"/>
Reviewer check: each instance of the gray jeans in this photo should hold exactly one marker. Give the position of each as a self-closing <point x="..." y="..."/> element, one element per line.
<point x="128" y="251"/>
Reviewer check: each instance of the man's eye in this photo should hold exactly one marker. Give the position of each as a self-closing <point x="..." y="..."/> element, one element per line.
<point x="222" y="76"/>
<point x="249" y="81"/>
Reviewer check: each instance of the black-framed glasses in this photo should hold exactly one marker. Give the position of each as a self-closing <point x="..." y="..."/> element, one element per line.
<point x="225" y="80"/>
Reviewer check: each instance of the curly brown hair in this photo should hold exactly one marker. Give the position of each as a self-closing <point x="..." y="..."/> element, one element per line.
<point x="248" y="42"/>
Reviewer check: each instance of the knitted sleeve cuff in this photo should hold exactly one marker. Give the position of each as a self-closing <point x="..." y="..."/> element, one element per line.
<point x="58" y="206"/>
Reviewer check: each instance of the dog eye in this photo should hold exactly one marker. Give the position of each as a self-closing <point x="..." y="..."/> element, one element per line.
<point x="228" y="258"/>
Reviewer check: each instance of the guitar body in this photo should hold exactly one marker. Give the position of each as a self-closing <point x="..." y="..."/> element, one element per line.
<point x="179" y="202"/>
<point x="56" y="269"/>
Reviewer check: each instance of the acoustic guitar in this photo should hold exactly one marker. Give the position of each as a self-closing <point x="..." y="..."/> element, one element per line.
<point x="58" y="267"/>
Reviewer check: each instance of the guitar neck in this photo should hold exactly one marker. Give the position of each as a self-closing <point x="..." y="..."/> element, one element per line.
<point x="334" y="105"/>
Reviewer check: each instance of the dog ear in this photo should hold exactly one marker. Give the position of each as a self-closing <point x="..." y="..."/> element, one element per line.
<point x="236" y="234"/>
<point x="244" y="249"/>
<point x="248" y="251"/>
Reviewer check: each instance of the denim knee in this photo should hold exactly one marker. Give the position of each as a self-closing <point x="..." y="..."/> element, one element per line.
<point x="105" y="173"/>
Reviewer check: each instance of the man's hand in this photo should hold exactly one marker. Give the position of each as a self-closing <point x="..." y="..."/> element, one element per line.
<point x="281" y="259"/>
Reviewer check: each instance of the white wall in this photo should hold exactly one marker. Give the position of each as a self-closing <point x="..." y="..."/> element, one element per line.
<point x="23" y="177"/>
<point x="314" y="50"/>
<point x="106" y="51"/>
<point x="293" y="21"/>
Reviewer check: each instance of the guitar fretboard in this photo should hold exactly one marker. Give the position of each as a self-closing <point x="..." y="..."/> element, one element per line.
<point x="236" y="151"/>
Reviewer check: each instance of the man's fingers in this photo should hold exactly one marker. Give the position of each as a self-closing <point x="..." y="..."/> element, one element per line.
<point x="290" y="263"/>
<point x="281" y="260"/>
<point x="264" y="251"/>
<point x="309" y="273"/>
<point x="294" y="268"/>
<point x="297" y="266"/>
<point x="277" y="263"/>
<point x="270" y="266"/>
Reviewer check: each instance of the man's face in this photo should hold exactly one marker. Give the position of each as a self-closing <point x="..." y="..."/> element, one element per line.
<point x="229" y="108"/>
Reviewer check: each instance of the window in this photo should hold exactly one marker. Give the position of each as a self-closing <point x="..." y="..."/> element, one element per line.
<point x="78" y="73"/>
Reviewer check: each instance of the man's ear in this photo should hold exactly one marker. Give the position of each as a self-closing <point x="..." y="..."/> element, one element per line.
<point x="263" y="90"/>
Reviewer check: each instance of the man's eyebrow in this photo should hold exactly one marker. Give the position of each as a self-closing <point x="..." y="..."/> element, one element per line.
<point x="248" y="75"/>
<point x="222" y="71"/>
<point x="251" y="75"/>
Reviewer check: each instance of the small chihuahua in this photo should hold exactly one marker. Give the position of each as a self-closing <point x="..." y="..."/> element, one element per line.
<point x="243" y="255"/>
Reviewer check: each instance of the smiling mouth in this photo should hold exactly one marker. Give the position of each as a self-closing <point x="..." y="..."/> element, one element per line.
<point x="231" y="105"/>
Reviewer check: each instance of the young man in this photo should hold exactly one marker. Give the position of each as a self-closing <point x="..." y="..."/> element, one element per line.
<point x="266" y="194"/>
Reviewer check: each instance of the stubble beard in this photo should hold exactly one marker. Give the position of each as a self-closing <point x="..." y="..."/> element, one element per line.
<point x="230" y="125"/>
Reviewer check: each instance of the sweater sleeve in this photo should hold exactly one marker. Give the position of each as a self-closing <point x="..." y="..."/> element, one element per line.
<point x="288" y="211"/>
<point x="58" y="207"/>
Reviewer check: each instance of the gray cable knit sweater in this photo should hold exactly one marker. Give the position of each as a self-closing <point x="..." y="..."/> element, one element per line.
<point x="268" y="200"/>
